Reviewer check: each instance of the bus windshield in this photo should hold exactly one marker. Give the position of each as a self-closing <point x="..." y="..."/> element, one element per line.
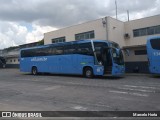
<point x="117" y="54"/>
<point x="155" y="43"/>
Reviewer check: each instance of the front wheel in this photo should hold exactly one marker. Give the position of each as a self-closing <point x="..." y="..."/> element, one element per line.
<point x="88" y="72"/>
<point x="34" y="71"/>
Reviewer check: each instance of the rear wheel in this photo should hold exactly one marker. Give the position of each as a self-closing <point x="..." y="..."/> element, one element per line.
<point x="4" y="65"/>
<point x="88" y="72"/>
<point x="34" y="71"/>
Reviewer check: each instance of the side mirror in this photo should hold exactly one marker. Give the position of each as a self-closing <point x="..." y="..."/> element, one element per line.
<point x="126" y="52"/>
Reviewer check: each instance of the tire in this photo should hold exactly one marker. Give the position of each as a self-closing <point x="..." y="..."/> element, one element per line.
<point x="34" y="71"/>
<point x="4" y="66"/>
<point x="88" y="72"/>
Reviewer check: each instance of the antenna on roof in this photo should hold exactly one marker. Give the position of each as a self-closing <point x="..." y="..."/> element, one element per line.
<point x="116" y="8"/>
<point x="128" y="14"/>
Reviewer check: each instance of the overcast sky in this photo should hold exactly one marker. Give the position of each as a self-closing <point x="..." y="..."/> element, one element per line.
<point x="25" y="21"/>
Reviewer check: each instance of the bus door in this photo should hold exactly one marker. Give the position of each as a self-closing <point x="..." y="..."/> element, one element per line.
<point x="118" y="61"/>
<point x="106" y="60"/>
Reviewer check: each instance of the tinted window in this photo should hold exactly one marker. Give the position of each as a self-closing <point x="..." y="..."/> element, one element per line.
<point x="155" y="43"/>
<point x="59" y="50"/>
<point x="98" y="46"/>
<point x="51" y="51"/>
<point x="85" y="49"/>
<point x="40" y="52"/>
<point x="26" y="53"/>
<point x="70" y="49"/>
<point x="35" y="52"/>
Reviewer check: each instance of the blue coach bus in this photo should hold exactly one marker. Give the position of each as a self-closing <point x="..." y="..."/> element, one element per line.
<point x="84" y="57"/>
<point x="153" y="52"/>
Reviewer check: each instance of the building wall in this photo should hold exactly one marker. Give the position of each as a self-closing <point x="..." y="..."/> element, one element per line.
<point x="69" y="32"/>
<point x="116" y="31"/>
<point x="136" y="63"/>
<point x="12" y="62"/>
<point x="132" y="57"/>
<point x="137" y="24"/>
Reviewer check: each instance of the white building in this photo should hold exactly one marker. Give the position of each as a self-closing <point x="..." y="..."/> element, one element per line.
<point x="11" y="54"/>
<point x="130" y="35"/>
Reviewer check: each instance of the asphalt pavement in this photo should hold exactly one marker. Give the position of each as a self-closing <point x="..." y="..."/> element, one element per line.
<point x="25" y="92"/>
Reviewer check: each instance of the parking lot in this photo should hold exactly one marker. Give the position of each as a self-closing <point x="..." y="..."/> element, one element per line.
<point x="24" y="92"/>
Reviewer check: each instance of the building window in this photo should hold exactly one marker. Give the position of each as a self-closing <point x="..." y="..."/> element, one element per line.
<point x="146" y="31"/>
<point x="10" y="60"/>
<point x="59" y="40"/>
<point x="151" y="30"/>
<point x="85" y="35"/>
<point x="140" y="52"/>
<point x="157" y="30"/>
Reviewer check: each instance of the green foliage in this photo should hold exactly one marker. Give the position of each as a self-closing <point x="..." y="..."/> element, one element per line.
<point x="41" y="42"/>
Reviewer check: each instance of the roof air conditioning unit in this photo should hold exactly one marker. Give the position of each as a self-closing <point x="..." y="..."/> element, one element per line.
<point x="126" y="36"/>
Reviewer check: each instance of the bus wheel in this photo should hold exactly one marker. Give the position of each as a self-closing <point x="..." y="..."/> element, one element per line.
<point x="34" y="71"/>
<point x="88" y="72"/>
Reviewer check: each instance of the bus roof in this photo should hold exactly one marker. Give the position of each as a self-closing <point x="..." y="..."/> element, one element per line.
<point x="152" y="37"/>
<point x="67" y="43"/>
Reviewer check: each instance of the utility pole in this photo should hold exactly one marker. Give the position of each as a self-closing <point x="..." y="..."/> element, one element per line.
<point x="128" y="14"/>
<point x="116" y="8"/>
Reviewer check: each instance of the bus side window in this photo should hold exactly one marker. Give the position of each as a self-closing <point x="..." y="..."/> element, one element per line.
<point x="52" y="51"/>
<point x="46" y="51"/>
<point x="59" y="50"/>
<point x="27" y="53"/>
<point x="70" y="49"/>
<point x="155" y="44"/>
<point x="22" y="53"/>
<point x="85" y="49"/>
<point x="38" y="52"/>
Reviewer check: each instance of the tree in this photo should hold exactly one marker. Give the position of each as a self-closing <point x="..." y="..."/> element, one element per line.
<point x="41" y="42"/>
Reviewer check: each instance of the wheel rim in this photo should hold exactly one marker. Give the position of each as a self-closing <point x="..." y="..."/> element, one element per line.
<point x="88" y="73"/>
<point x="34" y="71"/>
